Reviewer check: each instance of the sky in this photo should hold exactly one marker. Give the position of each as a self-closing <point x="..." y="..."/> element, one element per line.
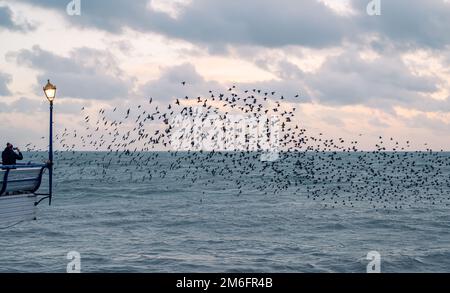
<point x="360" y="76"/>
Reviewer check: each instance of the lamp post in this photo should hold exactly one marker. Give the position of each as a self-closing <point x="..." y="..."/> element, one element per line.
<point x="50" y="93"/>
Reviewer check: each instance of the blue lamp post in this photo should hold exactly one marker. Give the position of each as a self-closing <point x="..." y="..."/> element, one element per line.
<point x="50" y="93"/>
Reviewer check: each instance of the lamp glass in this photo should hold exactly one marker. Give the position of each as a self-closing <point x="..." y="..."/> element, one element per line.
<point x="50" y="91"/>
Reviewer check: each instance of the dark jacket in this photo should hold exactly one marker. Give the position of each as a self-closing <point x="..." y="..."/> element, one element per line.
<point x="9" y="157"/>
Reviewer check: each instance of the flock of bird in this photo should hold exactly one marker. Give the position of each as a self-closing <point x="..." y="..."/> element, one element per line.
<point x="135" y="145"/>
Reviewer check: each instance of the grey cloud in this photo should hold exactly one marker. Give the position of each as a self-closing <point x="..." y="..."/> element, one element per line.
<point x="30" y="106"/>
<point x="288" y="88"/>
<point x="4" y="80"/>
<point x="334" y="121"/>
<point x="85" y="74"/>
<point x="6" y="18"/>
<point x="431" y="105"/>
<point x="348" y="79"/>
<point x="263" y="22"/>
<point x="423" y="121"/>
<point x="216" y="23"/>
<point x="69" y="107"/>
<point x="342" y="80"/>
<point x="6" y="21"/>
<point x="413" y="23"/>
<point x="269" y="23"/>
<point x="169" y="86"/>
<point x="378" y="123"/>
<point x="22" y="105"/>
<point x="3" y="107"/>
<point x="27" y="105"/>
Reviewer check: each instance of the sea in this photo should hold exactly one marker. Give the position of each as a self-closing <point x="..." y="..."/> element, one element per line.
<point x="203" y="212"/>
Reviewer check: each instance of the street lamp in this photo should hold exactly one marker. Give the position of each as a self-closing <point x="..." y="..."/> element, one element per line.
<point x="50" y="94"/>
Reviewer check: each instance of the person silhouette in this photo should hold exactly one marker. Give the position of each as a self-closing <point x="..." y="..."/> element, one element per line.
<point x="10" y="156"/>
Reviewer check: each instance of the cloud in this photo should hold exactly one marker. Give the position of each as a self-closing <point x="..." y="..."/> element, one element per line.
<point x="349" y="79"/>
<point x="6" y="18"/>
<point x="262" y="22"/>
<point x="22" y="105"/>
<point x="168" y="86"/>
<point x="412" y="23"/>
<point x="311" y="49"/>
<point x="310" y="23"/>
<point x="6" y="21"/>
<point x="216" y="23"/>
<point x="25" y="105"/>
<point x="345" y="79"/>
<point x="85" y="74"/>
<point x="356" y="75"/>
<point x="422" y="120"/>
<point x="4" y="80"/>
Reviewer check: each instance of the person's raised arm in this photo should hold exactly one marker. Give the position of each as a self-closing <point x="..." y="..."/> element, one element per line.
<point x="19" y="156"/>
